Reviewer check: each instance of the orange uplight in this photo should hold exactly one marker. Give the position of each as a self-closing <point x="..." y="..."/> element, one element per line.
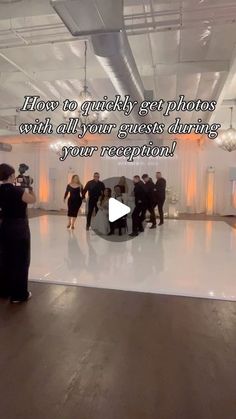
<point x="210" y="193"/>
<point x="234" y="195"/>
<point x="192" y="137"/>
<point x="191" y="188"/>
<point x="43" y="188"/>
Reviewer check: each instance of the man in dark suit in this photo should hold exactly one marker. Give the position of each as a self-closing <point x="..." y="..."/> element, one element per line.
<point x="149" y="188"/>
<point x="94" y="188"/>
<point x="160" y="195"/>
<point x="140" y="197"/>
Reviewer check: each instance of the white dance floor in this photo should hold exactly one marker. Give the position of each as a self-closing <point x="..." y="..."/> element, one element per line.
<point x="188" y="258"/>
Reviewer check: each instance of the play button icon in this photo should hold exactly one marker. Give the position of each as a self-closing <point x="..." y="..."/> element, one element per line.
<point x="117" y="210"/>
<point x="113" y="222"/>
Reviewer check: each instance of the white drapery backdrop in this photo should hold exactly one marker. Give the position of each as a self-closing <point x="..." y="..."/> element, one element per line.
<point x="186" y="173"/>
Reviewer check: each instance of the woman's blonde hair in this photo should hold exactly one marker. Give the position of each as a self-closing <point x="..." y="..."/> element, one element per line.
<point x="73" y="180"/>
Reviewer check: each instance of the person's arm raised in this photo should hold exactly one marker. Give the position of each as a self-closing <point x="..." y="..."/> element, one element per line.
<point x="29" y="197"/>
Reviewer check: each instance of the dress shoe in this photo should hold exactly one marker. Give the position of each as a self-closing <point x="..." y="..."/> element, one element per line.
<point x="160" y="224"/>
<point x="153" y="226"/>
<point x="133" y="234"/>
<point x="22" y="301"/>
<point x="87" y="228"/>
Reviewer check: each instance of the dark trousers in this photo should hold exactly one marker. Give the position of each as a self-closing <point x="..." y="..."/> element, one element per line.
<point x="151" y="209"/>
<point x="119" y="224"/>
<point x="92" y="204"/>
<point x="160" y="204"/>
<point x="15" y="255"/>
<point x="137" y="217"/>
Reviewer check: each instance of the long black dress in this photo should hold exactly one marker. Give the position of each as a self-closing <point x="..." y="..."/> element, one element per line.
<point x="74" y="201"/>
<point x="14" y="243"/>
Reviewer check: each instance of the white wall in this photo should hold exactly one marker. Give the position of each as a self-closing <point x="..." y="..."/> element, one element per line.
<point x="185" y="173"/>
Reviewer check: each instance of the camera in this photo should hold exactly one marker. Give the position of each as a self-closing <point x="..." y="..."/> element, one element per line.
<point x="23" y="180"/>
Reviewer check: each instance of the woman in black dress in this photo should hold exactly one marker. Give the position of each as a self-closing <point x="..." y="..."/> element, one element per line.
<point x="14" y="237"/>
<point x="74" y="190"/>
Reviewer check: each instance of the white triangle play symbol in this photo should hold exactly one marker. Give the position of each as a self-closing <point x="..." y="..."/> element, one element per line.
<point x="117" y="210"/>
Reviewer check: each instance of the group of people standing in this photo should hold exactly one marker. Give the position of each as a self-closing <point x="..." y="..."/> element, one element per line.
<point x="147" y="196"/>
<point x="14" y="226"/>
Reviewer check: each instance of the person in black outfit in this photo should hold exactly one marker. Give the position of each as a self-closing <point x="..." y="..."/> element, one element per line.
<point x="140" y="197"/>
<point x="149" y="188"/>
<point x="160" y="195"/>
<point x="121" y="222"/>
<point x="14" y="237"/>
<point x="74" y="190"/>
<point x="94" y="188"/>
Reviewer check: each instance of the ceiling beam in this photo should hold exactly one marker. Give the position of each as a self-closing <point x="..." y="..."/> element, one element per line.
<point x="225" y="86"/>
<point x="26" y="8"/>
<point x="11" y="111"/>
<point x="192" y="67"/>
<point x="229" y="102"/>
<point x="51" y="75"/>
<point x="96" y="72"/>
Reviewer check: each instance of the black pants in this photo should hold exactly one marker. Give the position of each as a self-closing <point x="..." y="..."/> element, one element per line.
<point x="15" y="253"/>
<point x="151" y="209"/>
<point x="92" y="204"/>
<point x="118" y="224"/>
<point x="137" y="217"/>
<point x="160" y="204"/>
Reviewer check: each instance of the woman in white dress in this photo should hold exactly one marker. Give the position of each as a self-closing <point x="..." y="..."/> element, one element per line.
<point x="100" y="222"/>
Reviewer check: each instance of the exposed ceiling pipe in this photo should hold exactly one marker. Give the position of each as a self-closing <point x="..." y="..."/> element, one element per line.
<point x="105" y="24"/>
<point x="42" y="43"/>
<point x="114" y="54"/>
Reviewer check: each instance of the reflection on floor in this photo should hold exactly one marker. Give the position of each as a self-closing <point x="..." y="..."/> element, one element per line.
<point x="183" y="257"/>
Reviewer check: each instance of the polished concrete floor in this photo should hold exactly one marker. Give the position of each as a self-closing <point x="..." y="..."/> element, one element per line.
<point x="183" y="257"/>
<point x="86" y="353"/>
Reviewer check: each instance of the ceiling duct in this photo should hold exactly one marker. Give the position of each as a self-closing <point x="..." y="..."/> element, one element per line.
<point x="114" y="54"/>
<point x="5" y="147"/>
<point x="104" y="21"/>
<point x="83" y="17"/>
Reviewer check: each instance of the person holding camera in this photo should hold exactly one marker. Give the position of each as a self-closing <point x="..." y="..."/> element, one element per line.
<point x="14" y="237"/>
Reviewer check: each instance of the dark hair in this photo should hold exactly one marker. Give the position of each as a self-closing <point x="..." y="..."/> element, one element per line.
<point x="137" y="177"/>
<point x="145" y="175"/>
<point x="109" y="191"/>
<point x="24" y="167"/>
<point x="102" y="197"/>
<point x="6" y="171"/>
<point x="96" y="173"/>
<point x="117" y="186"/>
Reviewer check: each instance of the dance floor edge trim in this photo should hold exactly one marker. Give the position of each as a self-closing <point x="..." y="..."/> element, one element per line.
<point x="163" y="293"/>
